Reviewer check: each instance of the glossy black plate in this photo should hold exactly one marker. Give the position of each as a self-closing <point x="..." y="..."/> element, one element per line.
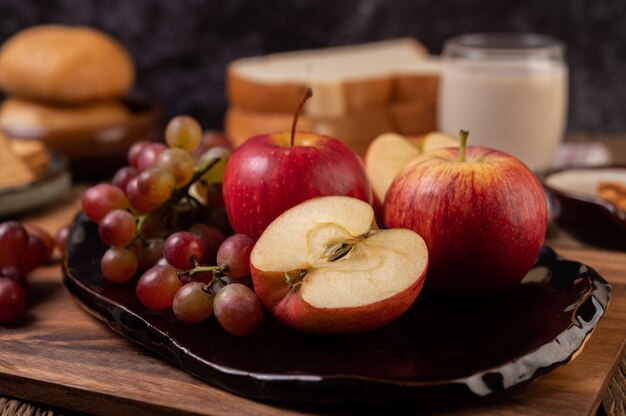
<point x="441" y="348"/>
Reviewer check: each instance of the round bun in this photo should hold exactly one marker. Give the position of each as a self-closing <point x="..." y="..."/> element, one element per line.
<point x="65" y="64"/>
<point x="24" y="117"/>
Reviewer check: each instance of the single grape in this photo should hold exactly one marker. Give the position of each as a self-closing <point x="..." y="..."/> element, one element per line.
<point x="138" y="202"/>
<point x="117" y="228"/>
<point x="237" y="309"/>
<point x="15" y="273"/>
<point x="235" y="253"/>
<point x="60" y="238"/>
<point x="156" y="185"/>
<point x="181" y="248"/>
<point x="211" y="239"/>
<point x="33" y="256"/>
<point x="101" y="199"/>
<point x="157" y="287"/>
<point x="213" y="196"/>
<point x="211" y="138"/>
<point x="150" y="189"/>
<point x="123" y="175"/>
<point x="153" y="226"/>
<point x="150" y="254"/>
<point x="149" y="155"/>
<point x="179" y="163"/>
<point x="118" y="265"/>
<point x="47" y="239"/>
<point x="13" y="241"/>
<point x="191" y="304"/>
<point x="184" y="132"/>
<point x="12" y="299"/>
<point x="134" y="152"/>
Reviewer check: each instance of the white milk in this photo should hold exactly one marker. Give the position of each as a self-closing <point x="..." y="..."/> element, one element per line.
<point x="518" y="107"/>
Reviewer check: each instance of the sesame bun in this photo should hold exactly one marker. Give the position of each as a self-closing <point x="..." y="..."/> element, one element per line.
<point x="65" y="64"/>
<point x="28" y="117"/>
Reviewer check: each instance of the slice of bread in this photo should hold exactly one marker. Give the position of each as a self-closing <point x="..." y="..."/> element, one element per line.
<point x="345" y="80"/>
<point x="357" y="130"/>
<point x="33" y="152"/>
<point x="413" y="118"/>
<point x="13" y="170"/>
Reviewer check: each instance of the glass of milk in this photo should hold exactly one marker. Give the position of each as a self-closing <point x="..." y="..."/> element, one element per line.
<point x="509" y="90"/>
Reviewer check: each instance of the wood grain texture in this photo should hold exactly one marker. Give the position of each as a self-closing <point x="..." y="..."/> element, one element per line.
<point x="58" y="355"/>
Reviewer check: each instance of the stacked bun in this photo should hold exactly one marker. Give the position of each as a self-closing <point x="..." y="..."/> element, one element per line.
<point x="63" y="78"/>
<point x="359" y="92"/>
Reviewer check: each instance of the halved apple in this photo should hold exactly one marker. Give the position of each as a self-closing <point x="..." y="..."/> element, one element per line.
<point x="389" y="153"/>
<point x="386" y="155"/>
<point x="437" y="140"/>
<point x="324" y="267"/>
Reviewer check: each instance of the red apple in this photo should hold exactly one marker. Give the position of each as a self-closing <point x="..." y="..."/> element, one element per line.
<point x="271" y="173"/>
<point x="323" y="267"/>
<point x="481" y="212"/>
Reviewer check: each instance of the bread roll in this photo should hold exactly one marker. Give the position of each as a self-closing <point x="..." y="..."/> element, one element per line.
<point x="64" y="64"/>
<point x="26" y="117"/>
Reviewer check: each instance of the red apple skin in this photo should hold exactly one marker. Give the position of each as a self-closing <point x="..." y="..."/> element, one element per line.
<point x="288" y="307"/>
<point x="265" y="176"/>
<point x="483" y="221"/>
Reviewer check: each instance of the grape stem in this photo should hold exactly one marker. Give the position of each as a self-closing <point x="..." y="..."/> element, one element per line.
<point x="175" y="197"/>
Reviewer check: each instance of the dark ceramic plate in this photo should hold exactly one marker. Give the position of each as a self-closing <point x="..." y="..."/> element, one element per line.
<point x="575" y="205"/>
<point x="441" y="348"/>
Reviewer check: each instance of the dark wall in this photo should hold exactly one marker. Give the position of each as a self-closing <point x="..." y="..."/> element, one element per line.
<point x="182" y="47"/>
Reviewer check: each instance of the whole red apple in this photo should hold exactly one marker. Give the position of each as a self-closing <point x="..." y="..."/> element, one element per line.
<point x="481" y="212"/>
<point x="271" y="173"/>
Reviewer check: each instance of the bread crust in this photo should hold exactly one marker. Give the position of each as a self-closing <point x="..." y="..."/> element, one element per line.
<point x="63" y="64"/>
<point x="333" y="97"/>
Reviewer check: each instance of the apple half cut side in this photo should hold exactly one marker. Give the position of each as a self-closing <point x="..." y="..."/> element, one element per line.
<point x="323" y="267"/>
<point x="385" y="157"/>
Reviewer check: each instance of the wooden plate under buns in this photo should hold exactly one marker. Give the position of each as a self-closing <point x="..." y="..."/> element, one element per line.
<point x="99" y="149"/>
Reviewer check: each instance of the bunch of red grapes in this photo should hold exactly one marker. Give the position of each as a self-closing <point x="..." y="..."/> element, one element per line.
<point x="22" y="250"/>
<point x="158" y="217"/>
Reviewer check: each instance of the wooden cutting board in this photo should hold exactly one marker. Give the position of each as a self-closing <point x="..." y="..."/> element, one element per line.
<point x="59" y="355"/>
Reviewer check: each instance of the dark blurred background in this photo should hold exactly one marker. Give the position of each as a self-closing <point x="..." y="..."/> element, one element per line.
<point x="181" y="48"/>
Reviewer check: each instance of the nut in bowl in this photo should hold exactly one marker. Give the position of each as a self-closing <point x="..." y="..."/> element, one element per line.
<point x="585" y="201"/>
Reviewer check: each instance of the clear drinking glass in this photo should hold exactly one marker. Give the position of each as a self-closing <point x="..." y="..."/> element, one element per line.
<point x="509" y="90"/>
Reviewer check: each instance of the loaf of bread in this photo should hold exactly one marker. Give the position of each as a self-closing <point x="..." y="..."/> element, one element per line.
<point x="345" y="80"/>
<point x="356" y="130"/>
<point x="28" y="117"/>
<point x="54" y="63"/>
<point x="359" y="92"/>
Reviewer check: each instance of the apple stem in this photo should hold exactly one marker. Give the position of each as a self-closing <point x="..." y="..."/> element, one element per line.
<point x="307" y="94"/>
<point x="463" y="134"/>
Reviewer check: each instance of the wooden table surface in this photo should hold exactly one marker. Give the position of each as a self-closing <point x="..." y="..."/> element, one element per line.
<point x="58" y="357"/>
